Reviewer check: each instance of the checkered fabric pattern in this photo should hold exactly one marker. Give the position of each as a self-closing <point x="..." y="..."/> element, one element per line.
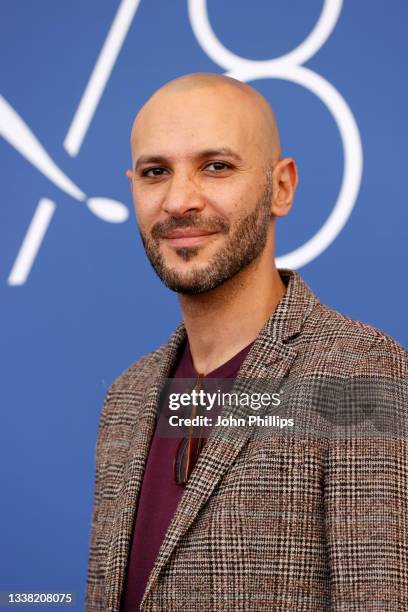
<point x="300" y="523"/>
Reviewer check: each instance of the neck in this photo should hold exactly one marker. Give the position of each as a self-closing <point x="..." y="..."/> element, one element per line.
<point x="224" y="320"/>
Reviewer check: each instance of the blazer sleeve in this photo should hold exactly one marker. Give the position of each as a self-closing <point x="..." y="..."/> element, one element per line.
<point x="94" y="597"/>
<point x="366" y="487"/>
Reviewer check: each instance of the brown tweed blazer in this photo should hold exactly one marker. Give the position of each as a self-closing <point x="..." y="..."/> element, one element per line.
<point x="305" y="523"/>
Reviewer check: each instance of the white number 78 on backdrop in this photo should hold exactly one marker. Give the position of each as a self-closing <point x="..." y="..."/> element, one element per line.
<point x="287" y="67"/>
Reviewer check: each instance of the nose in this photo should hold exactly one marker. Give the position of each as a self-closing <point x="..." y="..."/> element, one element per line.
<point x="183" y="195"/>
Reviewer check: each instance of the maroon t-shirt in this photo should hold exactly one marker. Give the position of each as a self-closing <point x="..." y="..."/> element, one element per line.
<point x="160" y="494"/>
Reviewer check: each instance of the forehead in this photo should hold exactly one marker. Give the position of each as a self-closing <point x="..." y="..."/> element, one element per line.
<point x="176" y="122"/>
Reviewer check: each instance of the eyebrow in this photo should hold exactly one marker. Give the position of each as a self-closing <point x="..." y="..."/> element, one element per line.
<point x="163" y="160"/>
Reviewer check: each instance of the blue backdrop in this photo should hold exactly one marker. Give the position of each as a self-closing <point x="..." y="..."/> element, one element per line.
<point x="79" y="301"/>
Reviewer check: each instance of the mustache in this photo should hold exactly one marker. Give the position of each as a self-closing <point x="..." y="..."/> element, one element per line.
<point x="211" y="224"/>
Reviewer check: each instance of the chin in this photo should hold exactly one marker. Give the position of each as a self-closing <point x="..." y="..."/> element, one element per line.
<point x="186" y="264"/>
<point x="186" y="283"/>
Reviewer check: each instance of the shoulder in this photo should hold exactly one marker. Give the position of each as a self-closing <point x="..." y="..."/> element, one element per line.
<point x="346" y="345"/>
<point x="136" y="374"/>
<point x="124" y="396"/>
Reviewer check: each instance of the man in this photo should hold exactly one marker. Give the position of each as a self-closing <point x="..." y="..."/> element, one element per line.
<point x="313" y="521"/>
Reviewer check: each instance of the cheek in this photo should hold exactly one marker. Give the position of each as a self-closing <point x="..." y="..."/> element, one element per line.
<point x="235" y="201"/>
<point x="225" y="198"/>
<point x="147" y="208"/>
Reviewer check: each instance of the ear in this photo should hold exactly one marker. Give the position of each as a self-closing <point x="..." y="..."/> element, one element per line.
<point x="284" y="181"/>
<point x="129" y="174"/>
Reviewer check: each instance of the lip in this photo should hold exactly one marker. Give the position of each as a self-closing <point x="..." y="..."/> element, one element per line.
<point x="186" y="237"/>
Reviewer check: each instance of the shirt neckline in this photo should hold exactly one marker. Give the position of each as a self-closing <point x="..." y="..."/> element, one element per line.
<point x="223" y="371"/>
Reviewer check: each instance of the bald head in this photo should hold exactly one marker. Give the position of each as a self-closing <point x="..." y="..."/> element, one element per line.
<point x="204" y="101"/>
<point x="208" y="181"/>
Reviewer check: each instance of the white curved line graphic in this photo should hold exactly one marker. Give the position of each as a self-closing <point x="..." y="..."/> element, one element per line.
<point x="18" y="134"/>
<point x="228" y="60"/>
<point x="352" y="172"/>
<point x="32" y="242"/>
<point x="353" y="157"/>
<point x="100" y="75"/>
<point x="289" y="67"/>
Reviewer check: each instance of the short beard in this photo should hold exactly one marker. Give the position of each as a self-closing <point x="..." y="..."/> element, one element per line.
<point x="246" y="243"/>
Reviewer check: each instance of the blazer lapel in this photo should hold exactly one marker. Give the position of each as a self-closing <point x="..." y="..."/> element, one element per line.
<point x="133" y="473"/>
<point x="270" y="358"/>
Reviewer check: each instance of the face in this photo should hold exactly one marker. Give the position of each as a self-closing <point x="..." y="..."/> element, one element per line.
<point x="239" y="243"/>
<point x="202" y="189"/>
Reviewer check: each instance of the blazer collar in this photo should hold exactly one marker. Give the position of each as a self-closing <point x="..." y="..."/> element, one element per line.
<point x="270" y="356"/>
<point x="287" y="320"/>
<point x="292" y="311"/>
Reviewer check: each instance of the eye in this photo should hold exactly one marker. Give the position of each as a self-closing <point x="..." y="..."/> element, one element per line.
<point x="217" y="166"/>
<point x="153" y="172"/>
